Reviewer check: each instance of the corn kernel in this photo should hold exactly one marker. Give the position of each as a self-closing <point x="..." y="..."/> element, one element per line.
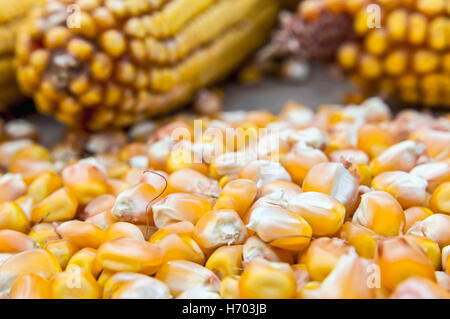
<point x="30" y="286"/>
<point x="363" y="239"/>
<point x="74" y="283"/>
<point x="415" y="214"/>
<point x="59" y="206"/>
<point x="434" y="227"/>
<point x="237" y="195"/>
<point x="43" y="233"/>
<point x="44" y="185"/>
<point x="12" y="217"/>
<point x="229" y="287"/>
<point x="180" y="247"/>
<point x="429" y="247"/>
<point x="63" y="249"/>
<point x="419" y="288"/>
<point x="226" y="261"/>
<point x="82" y="234"/>
<point x="440" y="199"/>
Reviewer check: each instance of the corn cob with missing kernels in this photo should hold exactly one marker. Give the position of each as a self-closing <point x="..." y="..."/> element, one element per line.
<point x="133" y="59"/>
<point x="11" y="18"/>
<point x="406" y="56"/>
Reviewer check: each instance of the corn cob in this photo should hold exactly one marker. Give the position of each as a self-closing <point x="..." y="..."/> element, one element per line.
<point x="235" y="225"/>
<point x="131" y="60"/>
<point x="11" y="19"/>
<point x="405" y="57"/>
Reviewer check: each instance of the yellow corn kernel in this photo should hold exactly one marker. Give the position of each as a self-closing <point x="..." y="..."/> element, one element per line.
<point x="399" y="259"/>
<point x="226" y="261"/>
<point x="429" y="247"/>
<point x="74" y="283"/>
<point x="445" y="262"/>
<point x="310" y="291"/>
<point x="187" y="180"/>
<point x="133" y="204"/>
<point x="182" y="228"/>
<point x="396" y="62"/>
<point x="30" y="286"/>
<point x="182" y="156"/>
<point x="374" y="140"/>
<point x="431" y="7"/>
<point x="331" y="175"/>
<point x="82" y="234"/>
<point x="323" y="213"/>
<point x="409" y="190"/>
<point x="128" y="254"/>
<point x="12" y="217"/>
<point x="229" y="287"/>
<point x="43" y="233"/>
<point x="87" y="181"/>
<point x="237" y="195"/>
<point x="182" y="275"/>
<point x="104" y="276"/>
<point x="280" y="227"/>
<point x="116" y="280"/>
<point x="415" y="214"/>
<point x="376" y="42"/>
<point x="263" y="172"/>
<point x="180" y="247"/>
<point x="218" y="228"/>
<point x="44" y="185"/>
<point x="255" y="247"/>
<point x="380" y="212"/>
<point x="288" y="188"/>
<point x="322" y="256"/>
<point x="98" y="205"/>
<point x="262" y="279"/>
<point x="63" y="249"/>
<point x="419" y="288"/>
<point x="142" y="288"/>
<point x="59" y="206"/>
<point x="440" y="199"/>
<point x="34" y="261"/>
<point x="363" y="239"/>
<point x="434" y="173"/>
<point x="102" y="220"/>
<point x="396" y="24"/>
<point x="12" y="241"/>
<point x="11" y="187"/>
<point x="86" y="259"/>
<point x="434" y="227"/>
<point x="417" y="28"/>
<point x="425" y="61"/>
<point x="178" y="207"/>
<point x="123" y="229"/>
<point x="348" y="56"/>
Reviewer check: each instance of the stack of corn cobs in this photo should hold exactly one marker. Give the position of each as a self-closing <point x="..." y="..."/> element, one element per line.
<point x="346" y="202"/>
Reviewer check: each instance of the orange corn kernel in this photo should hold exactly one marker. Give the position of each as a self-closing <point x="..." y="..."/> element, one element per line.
<point x="45" y="184"/>
<point x="419" y="288"/>
<point x="187" y="180"/>
<point x="43" y="233"/>
<point x="399" y="259"/>
<point x="263" y="279"/>
<point x="178" y="207"/>
<point x="322" y="256"/>
<point x="157" y="179"/>
<point x="348" y="279"/>
<point x="26" y="203"/>
<point x="237" y="195"/>
<point x="9" y="148"/>
<point x="408" y="189"/>
<point x="34" y="261"/>
<point x="11" y="187"/>
<point x="180" y="247"/>
<point x="12" y="241"/>
<point x="74" y="283"/>
<point x="436" y="142"/>
<point x="133" y="205"/>
<point x="380" y="212"/>
<point x="310" y="291"/>
<point x="158" y="153"/>
<point x="30" y="286"/>
<point x="182" y="228"/>
<point x="182" y="156"/>
<point x="374" y="139"/>
<point x="446" y="259"/>
<point x="82" y="234"/>
<point x="86" y="259"/>
<point x="218" y="228"/>
<point x="255" y="247"/>
<point x="104" y="276"/>
<point x="440" y="199"/>
<point x="280" y="227"/>
<point x="415" y="214"/>
<point x="142" y="288"/>
<point x="434" y="173"/>
<point x="12" y="217"/>
<point x="335" y="180"/>
<point x="116" y="186"/>
<point x="99" y="205"/>
<point x="363" y="239"/>
<point x="102" y="220"/>
<point x="128" y="254"/>
<point x="434" y="227"/>
<point x="86" y="180"/>
<point x="323" y="213"/>
<point x="63" y="249"/>
<point x="229" y="287"/>
<point x="430" y="248"/>
<point x="263" y="172"/>
<point x="131" y="150"/>
<point x="59" y="206"/>
<point x="288" y="188"/>
<point x="399" y="157"/>
<point x="226" y="261"/>
<point x="182" y="275"/>
<point x="123" y="229"/>
<point x="301" y="159"/>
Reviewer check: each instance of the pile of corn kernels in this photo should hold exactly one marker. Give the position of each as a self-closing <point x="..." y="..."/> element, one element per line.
<point x="342" y="202"/>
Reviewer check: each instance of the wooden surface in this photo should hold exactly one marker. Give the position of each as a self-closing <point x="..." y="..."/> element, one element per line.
<point x="269" y="94"/>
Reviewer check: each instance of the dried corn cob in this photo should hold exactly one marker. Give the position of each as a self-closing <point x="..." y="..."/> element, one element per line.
<point x="130" y="60"/>
<point x="397" y="49"/>
<point x="11" y="19"/>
